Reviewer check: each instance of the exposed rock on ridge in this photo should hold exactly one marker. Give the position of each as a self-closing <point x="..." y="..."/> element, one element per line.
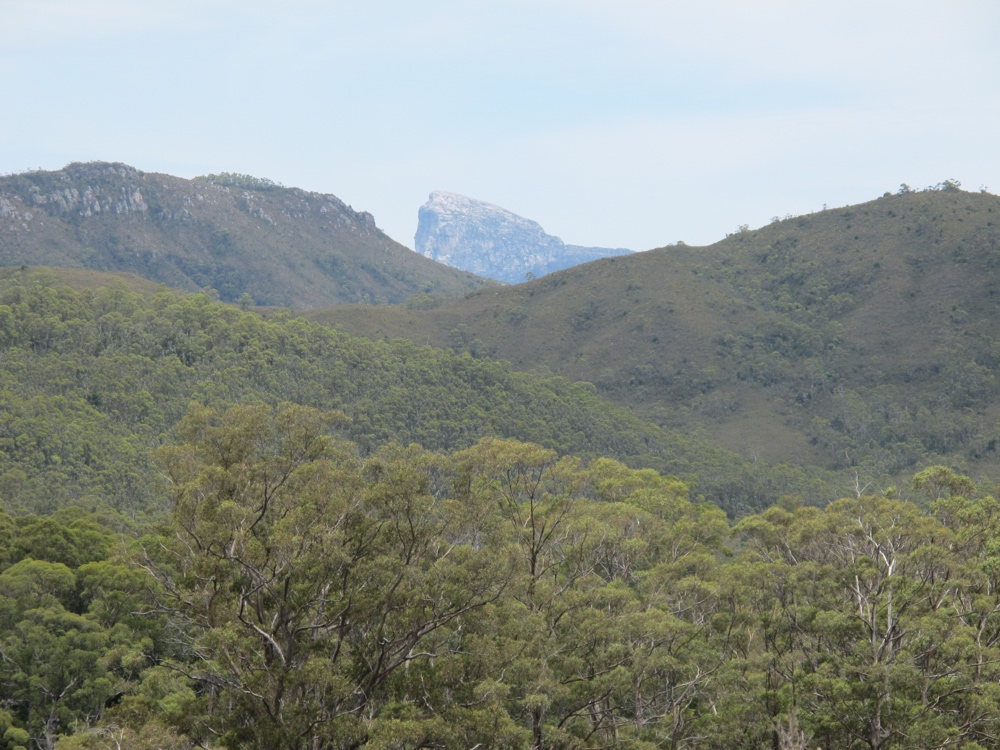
<point x="234" y="233"/>
<point x="490" y="241"/>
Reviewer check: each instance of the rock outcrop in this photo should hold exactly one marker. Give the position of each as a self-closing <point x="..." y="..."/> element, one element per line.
<point x="234" y="233"/>
<point x="490" y="241"/>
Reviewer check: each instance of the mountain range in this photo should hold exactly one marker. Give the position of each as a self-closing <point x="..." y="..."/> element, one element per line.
<point x="862" y="341"/>
<point x="224" y="526"/>
<point x="490" y="241"/>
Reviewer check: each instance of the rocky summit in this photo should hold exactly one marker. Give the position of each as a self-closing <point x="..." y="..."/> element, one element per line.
<point x="490" y="241"/>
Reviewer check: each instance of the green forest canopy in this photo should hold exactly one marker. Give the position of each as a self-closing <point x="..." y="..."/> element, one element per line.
<point x="223" y="532"/>
<point x="301" y="596"/>
<point x="92" y="380"/>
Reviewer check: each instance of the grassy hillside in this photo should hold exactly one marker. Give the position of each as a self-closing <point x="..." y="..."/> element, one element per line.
<point x="233" y="233"/>
<point x="858" y="339"/>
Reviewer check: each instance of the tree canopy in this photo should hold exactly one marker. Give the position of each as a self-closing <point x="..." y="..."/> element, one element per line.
<point x="304" y="594"/>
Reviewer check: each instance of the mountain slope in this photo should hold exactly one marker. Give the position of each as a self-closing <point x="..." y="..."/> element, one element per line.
<point x="490" y="241"/>
<point x="91" y="379"/>
<point x="858" y="339"/>
<point x="233" y="233"/>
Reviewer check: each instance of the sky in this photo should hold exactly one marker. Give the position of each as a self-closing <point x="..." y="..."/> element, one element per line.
<point x="618" y="123"/>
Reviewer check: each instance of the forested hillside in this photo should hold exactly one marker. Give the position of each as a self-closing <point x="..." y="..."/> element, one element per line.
<point x="857" y="339"/>
<point x="222" y="530"/>
<point x="233" y="233"/>
<point x="302" y="598"/>
<point x="91" y="380"/>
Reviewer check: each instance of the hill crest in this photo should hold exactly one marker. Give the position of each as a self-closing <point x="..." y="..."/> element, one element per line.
<point x="864" y="338"/>
<point x="236" y="234"/>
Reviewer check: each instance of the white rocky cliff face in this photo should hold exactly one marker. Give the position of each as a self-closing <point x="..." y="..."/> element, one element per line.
<point x="490" y="241"/>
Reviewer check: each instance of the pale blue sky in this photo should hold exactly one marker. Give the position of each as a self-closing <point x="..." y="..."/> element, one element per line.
<point x="631" y="123"/>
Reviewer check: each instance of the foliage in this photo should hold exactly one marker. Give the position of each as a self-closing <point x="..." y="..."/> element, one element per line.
<point x="863" y="339"/>
<point x="502" y="596"/>
<point x="63" y="651"/>
<point x="382" y="545"/>
<point x="91" y="381"/>
<point x="235" y="179"/>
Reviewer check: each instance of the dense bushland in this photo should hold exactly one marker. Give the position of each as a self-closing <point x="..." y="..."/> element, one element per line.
<point x="301" y="596"/>
<point x="92" y="380"/>
<point x="860" y="339"/>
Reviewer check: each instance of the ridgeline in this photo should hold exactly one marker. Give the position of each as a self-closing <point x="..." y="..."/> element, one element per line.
<point x="236" y="234"/>
<point x="862" y="339"/>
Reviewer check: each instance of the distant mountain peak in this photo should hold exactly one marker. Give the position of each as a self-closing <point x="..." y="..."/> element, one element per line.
<point x="491" y="241"/>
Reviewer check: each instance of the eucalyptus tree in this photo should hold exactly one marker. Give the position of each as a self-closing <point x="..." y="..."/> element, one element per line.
<point x="306" y="581"/>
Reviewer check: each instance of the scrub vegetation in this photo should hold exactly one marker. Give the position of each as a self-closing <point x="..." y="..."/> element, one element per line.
<point x="299" y="596"/>
<point x="730" y="497"/>
<point x="863" y="339"/>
